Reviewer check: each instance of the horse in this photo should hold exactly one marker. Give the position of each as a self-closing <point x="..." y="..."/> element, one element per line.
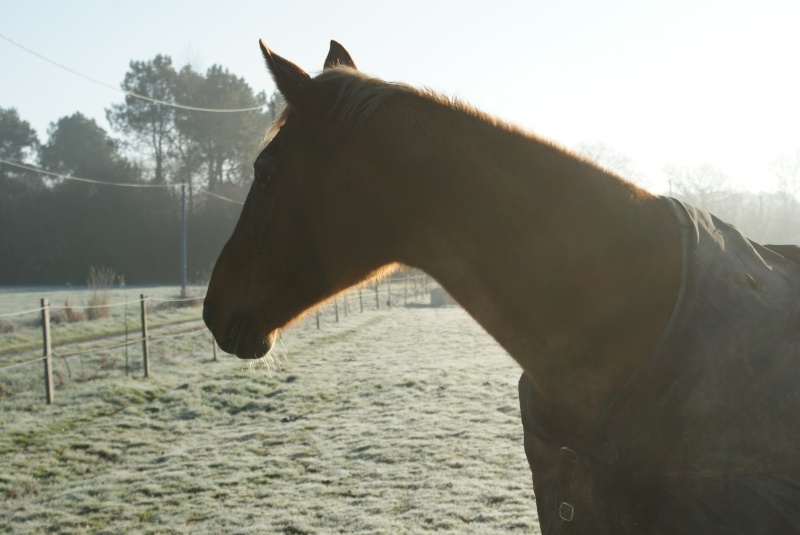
<point x="592" y="284"/>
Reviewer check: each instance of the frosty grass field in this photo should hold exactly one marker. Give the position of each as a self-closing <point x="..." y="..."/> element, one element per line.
<point x="391" y="421"/>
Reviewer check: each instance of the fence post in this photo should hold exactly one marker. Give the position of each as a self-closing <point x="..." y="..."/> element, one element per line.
<point x="127" y="362"/>
<point x="48" y="363"/>
<point x="145" y="353"/>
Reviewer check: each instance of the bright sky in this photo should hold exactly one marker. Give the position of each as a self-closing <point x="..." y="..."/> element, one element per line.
<point x="678" y="82"/>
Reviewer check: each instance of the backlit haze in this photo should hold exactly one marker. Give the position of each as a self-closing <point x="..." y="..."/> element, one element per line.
<point x="676" y="82"/>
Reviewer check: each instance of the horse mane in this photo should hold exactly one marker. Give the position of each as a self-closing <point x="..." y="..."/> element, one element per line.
<point x="359" y="95"/>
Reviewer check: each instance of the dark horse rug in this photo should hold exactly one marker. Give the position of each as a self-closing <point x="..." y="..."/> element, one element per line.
<point x="705" y="437"/>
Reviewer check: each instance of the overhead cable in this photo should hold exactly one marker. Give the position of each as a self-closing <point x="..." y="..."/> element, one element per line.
<point x="108" y="183"/>
<point x="88" y="180"/>
<point x="205" y="191"/>
<point x="125" y="91"/>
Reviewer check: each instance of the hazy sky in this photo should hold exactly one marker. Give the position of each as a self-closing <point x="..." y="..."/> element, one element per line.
<point x="679" y="82"/>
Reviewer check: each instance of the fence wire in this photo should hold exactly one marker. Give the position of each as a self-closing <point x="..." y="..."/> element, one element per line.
<point x="87" y="307"/>
<point x="20" y="364"/>
<point x="21" y="313"/>
<point x="177" y="300"/>
<point x="369" y="298"/>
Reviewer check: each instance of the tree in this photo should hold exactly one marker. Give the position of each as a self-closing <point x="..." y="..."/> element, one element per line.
<point x="22" y="194"/>
<point x="787" y="180"/>
<point x="608" y="158"/>
<point x="702" y="185"/>
<point x="787" y="173"/>
<point x="77" y="145"/>
<point x="18" y="140"/>
<point x="766" y="217"/>
<point x="99" y="224"/>
<point x="18" y="143"/>
<point x="148" y="124"/>
<point x="53" y="233"/>
<point x="227" y="143"/>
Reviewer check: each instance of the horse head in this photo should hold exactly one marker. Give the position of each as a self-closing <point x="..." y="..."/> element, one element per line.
<point x="309" y="228"/>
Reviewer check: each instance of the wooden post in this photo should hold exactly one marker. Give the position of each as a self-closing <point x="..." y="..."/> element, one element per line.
<point x="48" y="362"/>
<point x="360" y="300"/>
<point x="127" y="362"/>
<point x="145" y="353"/>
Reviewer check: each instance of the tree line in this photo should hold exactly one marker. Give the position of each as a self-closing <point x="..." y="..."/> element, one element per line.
<point x="771" y="215"/>
<point x="54" y="230"/>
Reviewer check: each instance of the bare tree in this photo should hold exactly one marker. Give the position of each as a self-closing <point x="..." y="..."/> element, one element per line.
<point x="610" y="159"/>
<point x="786" y="170"/>
<point x="703" y="185"/>
<point x="787" y="173"/>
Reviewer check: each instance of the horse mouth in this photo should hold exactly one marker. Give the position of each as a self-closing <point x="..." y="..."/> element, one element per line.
<point x="244" y="340"/>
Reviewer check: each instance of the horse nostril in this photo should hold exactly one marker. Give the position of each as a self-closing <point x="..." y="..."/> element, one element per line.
<point x="208" y="316"/>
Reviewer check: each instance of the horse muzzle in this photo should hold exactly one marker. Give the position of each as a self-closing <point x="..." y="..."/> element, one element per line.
<point x="238" y="335"/>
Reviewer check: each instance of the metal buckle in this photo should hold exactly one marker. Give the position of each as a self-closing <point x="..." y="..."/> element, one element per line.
<point x="566" y="512"/>
<point x="569" y="455"/>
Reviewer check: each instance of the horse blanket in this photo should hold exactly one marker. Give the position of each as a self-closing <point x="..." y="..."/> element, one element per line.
<point x="705" y="436"/>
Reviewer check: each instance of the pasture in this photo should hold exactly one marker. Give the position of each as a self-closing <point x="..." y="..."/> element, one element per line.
<point x="402" y="421"/>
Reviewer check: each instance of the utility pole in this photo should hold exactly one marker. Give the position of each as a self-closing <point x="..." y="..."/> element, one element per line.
<point x="183" y="239"/>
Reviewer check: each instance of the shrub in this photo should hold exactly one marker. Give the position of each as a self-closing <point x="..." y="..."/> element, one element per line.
<point x="99" y="281"/>
<point x="69" y="314"/>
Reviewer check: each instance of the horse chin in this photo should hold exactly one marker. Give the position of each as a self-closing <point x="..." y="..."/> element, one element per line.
<point x="249" y="343"/>
<point x="254" y="350"/>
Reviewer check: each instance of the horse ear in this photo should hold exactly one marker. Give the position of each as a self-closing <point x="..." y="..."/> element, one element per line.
<point x="337" y="55"/>
<point x="292" y="81"/>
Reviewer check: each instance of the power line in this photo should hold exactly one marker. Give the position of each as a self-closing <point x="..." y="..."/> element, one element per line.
<point x="206" y="192"/>
<point x="81" y="179"/>
<point x="107" y="183"/>
<point x="124" y="91"/>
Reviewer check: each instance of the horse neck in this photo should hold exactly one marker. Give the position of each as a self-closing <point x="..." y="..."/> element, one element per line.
<point x="572" y="270"/>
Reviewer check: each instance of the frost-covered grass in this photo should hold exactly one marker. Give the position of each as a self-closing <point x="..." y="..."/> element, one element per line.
<point x="400" y="421"/>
